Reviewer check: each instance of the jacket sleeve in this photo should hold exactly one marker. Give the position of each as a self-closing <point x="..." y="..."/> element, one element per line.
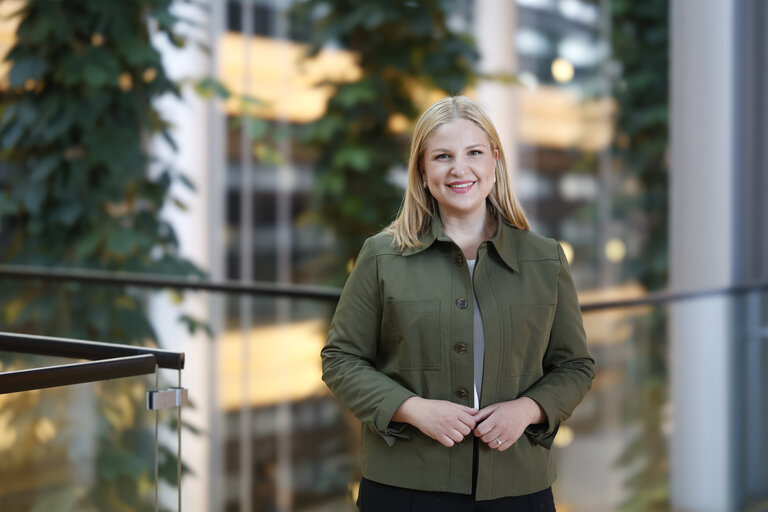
<point x="568" y="365"/>
<point x="349" y="355"/>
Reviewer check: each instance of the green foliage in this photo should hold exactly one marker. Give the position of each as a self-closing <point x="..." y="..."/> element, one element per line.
<point x="403" y="49"/>
<point x="76" y="191"/>
<point x="640" y="40"/>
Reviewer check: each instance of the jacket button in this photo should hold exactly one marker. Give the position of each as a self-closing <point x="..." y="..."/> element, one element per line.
<point x="462" y="303"/>
<point x="459" y="260"/>
<point x="460" y="348"/>
<point x="462" y="393"/>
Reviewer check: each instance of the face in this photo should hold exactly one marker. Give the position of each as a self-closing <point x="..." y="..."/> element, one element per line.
<point x="459" y="167"/>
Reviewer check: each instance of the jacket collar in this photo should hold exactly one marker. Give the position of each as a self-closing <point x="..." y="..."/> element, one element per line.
<point x="503" y="240"/>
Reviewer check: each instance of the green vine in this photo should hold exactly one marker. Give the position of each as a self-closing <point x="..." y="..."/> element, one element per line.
<point x="640" y="40"/>
<point x="79" y="188"/>
<point x="401" y="47"/>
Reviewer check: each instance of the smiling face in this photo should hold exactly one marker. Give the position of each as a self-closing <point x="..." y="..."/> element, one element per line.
<point x="459" y="167"/>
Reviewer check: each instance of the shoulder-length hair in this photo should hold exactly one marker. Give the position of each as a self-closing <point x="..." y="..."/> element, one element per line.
<point x="418" y="205"/>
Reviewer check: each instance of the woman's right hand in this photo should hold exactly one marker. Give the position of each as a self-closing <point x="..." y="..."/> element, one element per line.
<point x="445" y="422"/>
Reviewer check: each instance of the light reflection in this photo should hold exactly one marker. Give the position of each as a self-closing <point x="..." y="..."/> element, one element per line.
<point x="579" y="11"/>
<point x="564" y="436"/>
<point x="568" y="250"/>
<point x="530" y="41"/>
<point x="295" y="345"/>
<point x="615" y="250"/>
<point x="562" y="70"/>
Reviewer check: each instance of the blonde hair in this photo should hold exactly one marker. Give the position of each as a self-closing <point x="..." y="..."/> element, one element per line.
<point x="418" y="205"/>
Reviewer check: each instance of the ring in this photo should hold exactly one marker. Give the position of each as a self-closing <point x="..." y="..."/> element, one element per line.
<point x="498" y="441"/>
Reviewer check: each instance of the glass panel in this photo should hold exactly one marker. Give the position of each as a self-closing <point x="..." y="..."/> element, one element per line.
<point x="80" y="448"/>
<point x="91" y="446"/>
<point x="613" y="451"/>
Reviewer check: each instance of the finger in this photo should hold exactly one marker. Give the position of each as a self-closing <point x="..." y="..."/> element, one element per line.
<point x="464" y="430"/>
<point x="468" y="420"/>
<point x="469" y="410"/>
<point x="484" y="413"/>
<point x="493" y="444"/>
<point x="456" y="436"/>
<point x="445" y="440"/>
<point x="482" y="429"/>
<point x="491" y="436"/>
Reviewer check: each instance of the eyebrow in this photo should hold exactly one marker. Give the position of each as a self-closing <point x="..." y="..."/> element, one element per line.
<point x="471" y="146"/>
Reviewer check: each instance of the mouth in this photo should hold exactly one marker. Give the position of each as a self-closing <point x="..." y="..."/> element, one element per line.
<point x="461" y="185"/>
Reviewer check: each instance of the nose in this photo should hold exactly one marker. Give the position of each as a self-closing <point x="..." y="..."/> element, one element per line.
<point x="460" y="167"/>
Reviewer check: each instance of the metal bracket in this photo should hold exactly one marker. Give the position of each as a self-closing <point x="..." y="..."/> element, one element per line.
<point x="167" y="398"/>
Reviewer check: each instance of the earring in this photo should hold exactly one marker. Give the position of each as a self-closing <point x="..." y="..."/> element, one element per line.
<point x="425" y="185"/>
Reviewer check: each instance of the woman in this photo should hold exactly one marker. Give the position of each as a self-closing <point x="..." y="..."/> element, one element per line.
<point x="458" y="340"/>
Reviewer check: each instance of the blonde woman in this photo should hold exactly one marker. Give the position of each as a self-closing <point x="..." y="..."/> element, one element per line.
<point x="458" y="340"/>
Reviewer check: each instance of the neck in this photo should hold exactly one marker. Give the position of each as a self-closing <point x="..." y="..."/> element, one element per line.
<point x="468" y="231"/>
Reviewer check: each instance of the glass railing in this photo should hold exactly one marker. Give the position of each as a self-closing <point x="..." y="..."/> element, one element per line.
<point x="80" y="425"/>
<point x="263" y="432"/>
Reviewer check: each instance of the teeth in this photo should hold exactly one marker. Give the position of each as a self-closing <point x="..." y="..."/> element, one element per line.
<point x="463" y="185"/>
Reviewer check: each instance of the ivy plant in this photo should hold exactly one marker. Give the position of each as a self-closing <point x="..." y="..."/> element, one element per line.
<point x="640" y="40"/>
<point x="404" y="50"/>
<point x="79" y="188"/>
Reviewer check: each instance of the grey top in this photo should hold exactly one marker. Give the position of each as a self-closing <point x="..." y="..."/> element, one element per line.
<point x="478" y="342"/>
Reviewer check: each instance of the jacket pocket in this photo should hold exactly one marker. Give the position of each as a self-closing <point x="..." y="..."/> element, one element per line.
<point x="411" y="334"/>
<point x="524" y="349"/>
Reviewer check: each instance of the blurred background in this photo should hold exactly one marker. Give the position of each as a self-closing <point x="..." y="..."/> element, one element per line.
<point x="256" y="143"/>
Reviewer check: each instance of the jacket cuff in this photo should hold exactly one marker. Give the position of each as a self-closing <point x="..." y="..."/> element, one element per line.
<point x="383" y="423"/>
<point x="543" y="434"/>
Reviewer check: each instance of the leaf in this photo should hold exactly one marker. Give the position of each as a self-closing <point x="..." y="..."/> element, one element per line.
<point x="12" y="135"/>
<point x="193" y="324"/>
<point x="187" y="182"/>
<point x="352" y="94"/>
<point x="209" y="87"/>
<point x="355" y="157"/>
<point x="169" y="139"/>
<point x="88" y="243"/>
<point x="68" y="212"/>
<point x="257" y="128"/>
<point x="27" y="68"/>
<point x="121" y="241"/>
<point x="33" y="198"/>
<point x="43" y="168"/>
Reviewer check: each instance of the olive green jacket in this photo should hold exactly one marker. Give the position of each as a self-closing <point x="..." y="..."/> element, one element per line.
<point x="404" y="327"/>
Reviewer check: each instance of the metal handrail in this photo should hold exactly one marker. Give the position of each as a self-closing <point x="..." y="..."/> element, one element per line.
<point x="165" y="281"/>
<point x="81" y="349"/>
<point x="107" y="361"/>
<point x="313" y="292"/>
<point x="77" y="373"/>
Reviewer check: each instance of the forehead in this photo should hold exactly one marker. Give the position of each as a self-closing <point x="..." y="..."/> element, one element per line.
<point x="457" y="131"/>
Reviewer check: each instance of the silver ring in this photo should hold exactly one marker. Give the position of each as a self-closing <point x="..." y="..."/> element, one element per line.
<point x="498" y="441"/>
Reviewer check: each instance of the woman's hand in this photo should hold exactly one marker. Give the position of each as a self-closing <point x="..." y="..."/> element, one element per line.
<point x="501" y="425"/>
<point x="445" y="422"/>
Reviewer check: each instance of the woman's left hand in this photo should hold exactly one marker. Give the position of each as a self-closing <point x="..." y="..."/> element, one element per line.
<point x="500" y="425"/>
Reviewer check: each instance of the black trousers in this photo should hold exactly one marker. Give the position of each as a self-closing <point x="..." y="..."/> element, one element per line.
<point x="376" y="497"/>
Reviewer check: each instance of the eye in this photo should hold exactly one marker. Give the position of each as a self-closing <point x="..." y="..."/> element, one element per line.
<point x="442" y="156"/>
<point x="475" y="152"/>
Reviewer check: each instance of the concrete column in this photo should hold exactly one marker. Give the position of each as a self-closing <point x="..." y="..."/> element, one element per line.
<point x="495" y="27"/>
<point x="189" y="117"/>
<point x="701" y="253"/>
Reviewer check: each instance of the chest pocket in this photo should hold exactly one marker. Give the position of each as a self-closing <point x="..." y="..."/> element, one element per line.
<point x="411" y="334"/>
<point x="524" y="349"/>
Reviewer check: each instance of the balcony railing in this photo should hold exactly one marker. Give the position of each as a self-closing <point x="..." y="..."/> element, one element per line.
<point x="294" y="449"/>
